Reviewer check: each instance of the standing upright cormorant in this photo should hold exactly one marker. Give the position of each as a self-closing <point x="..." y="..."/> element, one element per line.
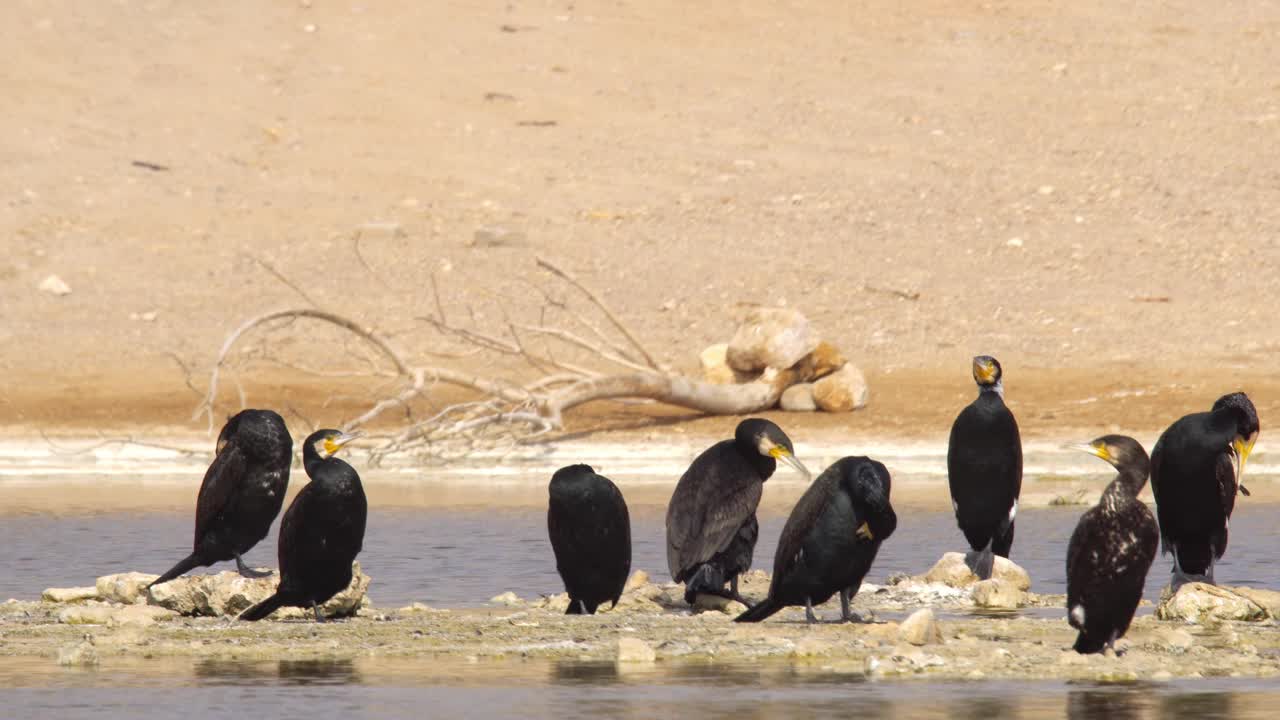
<point x="1197" y="467"/>
<point x="590" y="533"/>
<point x="711" y="521"/>
<point x="1111" y="549"/>
<point x="984" y="468"/>
<point x="322" y="531"/>
<point x="242" y="492"/>
<point x="830" y="539"/>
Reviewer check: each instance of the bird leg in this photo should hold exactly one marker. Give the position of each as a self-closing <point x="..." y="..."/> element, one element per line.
<point x="246" y="571"/>
<point x="316" y="609"/>
<point x="809" y="615"/>
<point x="844" y="605"/>
<point x="582" y="604"/>
<point x="733" y="592"/>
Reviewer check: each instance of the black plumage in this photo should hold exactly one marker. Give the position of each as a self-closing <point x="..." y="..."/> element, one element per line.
<point x="322" y="531"/>
<point x="830" y="539"/>
<point x="984" y="469"/>
<point x="711" y="519"/>
<point x="590" y="532"/>
<point x="242" y="492"/>
<point x="1111" y="549"/>
<point x="1197" y="467"/>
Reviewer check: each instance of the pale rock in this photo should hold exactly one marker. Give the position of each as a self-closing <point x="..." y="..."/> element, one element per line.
<point x="85" y="615"/>
<point x="716" y="370"/>
<point x="1268" y="600"/>
<point x="1199" y="603"/>
<point x="844" y="390"/>
<point x="69" y="595"/>
<point x="920" y="628"/>
<point x="82" y="653"/>
<point x="770" y="337"/>
<point x="228" y="593"/>
<point x="812" y="647"/>
<point x="125" y="588"/>
<point x="54" y="285"/>
<point x="139" y="616"/>
<point x="952" y="571"/>
<point x="824" y="360"/>
<point x="638" y="579"/>
<point x="496" y="236"/>
<point x="1174" y="639"/>
<point x="635" y="650"/>
<point x="507" y="598"/>
<point x="707" y="602"/>
<point x="798" y="398"/>
<point x="996" y="594"/>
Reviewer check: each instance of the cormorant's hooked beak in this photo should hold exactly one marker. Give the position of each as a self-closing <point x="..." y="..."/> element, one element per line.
<point x="864" y="532"/>
<point x="984" y="371"/>
<point x="777" y="452"/>
<point x="333" y="444"/>
<point x="1095" y="450"/>
<point x="1242" y="447"/>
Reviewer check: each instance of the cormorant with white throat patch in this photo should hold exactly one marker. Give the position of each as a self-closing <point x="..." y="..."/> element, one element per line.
<point x="830" y="539"/>
<point x="1197" y="467"/>
<point x="322" y="531"/>
<point x="590" y="532"/>
<point x="984" y="469"/>
<point x="711" y="520"/>
<point x="1111" y="549"/>
<point x="242" y="492"/>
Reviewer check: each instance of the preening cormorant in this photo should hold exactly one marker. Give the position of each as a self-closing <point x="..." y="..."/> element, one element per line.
<point x="830" y="539"/>
<point x="1111" y="549"/>
<point x="1197" y="467"/>
<point x="590" y="533"/>
<point x="984" y="468"/>
<point x="242" y="492"/>
<point x="322" y="531"/>
<point x="711" y="520"/>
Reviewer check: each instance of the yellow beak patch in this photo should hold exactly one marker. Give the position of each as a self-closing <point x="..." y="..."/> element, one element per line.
<point x="864" y="532"/>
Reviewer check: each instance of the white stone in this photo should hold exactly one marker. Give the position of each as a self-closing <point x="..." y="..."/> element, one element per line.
<point x="996" y="594"/>
<point x="920" y="628"/>
<point x="844" y="390"/>
<point x="69" y="595"/>
<point x="798" y="398"/>
<point x="770" y="337"/>
<point x="54" y="285"/>
<point x="635" y="650"/>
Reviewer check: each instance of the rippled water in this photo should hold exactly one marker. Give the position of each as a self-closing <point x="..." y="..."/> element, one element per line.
<point x="323" y="689"/>
<point x="464" y="556"/>
<point x="453" y="545"/>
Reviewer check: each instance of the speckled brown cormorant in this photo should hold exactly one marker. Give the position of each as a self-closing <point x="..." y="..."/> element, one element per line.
<point x="984" y="468"/>
<point x="242" y="492"/>
<point x="830" y="539"/>
<point x="711" y="520"/>
<point x="1197" y="467"/>
<point x="322" y="531"/>
<point x="1111" y="549"/>
<point x="590" y="532"/>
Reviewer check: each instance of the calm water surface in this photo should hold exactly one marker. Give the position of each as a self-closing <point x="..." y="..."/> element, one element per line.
<point x="464" y="556"/>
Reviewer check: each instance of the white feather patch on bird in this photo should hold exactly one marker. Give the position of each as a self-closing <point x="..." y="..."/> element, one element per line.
<point x="1077" y="614"/>
<point x="1013" y="511"/>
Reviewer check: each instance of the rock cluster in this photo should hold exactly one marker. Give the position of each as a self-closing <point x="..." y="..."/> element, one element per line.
<point x="1200" y="603"/>
<point x="779" y="346"/>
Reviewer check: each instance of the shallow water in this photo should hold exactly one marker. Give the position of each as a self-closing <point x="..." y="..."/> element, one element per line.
<point x="463" y="556"/>
<point x="452" y="544"/>
<point x="323" y="689"/>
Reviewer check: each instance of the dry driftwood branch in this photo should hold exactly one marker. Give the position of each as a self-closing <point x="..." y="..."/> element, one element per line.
<point x="503" y="411"/>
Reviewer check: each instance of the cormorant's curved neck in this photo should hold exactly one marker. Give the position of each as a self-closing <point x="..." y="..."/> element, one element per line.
<point x="996" y="388"/>
<point x="312" y="462"/>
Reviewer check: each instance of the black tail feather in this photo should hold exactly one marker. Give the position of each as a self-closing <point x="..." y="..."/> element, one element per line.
<point x="263" y="609"/>
<point x="189" y="562"/>
<point x="759" y="611"/>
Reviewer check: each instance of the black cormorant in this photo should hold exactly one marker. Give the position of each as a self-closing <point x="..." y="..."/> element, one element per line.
<point x="1111" y="549"/>
<point x="1197" y="467"/>
<point x="711" y="520"/>
<point x="322" y="531"/>
<point x="830" y="539"/>
<point x="984" y="467"/>
<point x="591" y="535"/>
<point x="242" y="491"/>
